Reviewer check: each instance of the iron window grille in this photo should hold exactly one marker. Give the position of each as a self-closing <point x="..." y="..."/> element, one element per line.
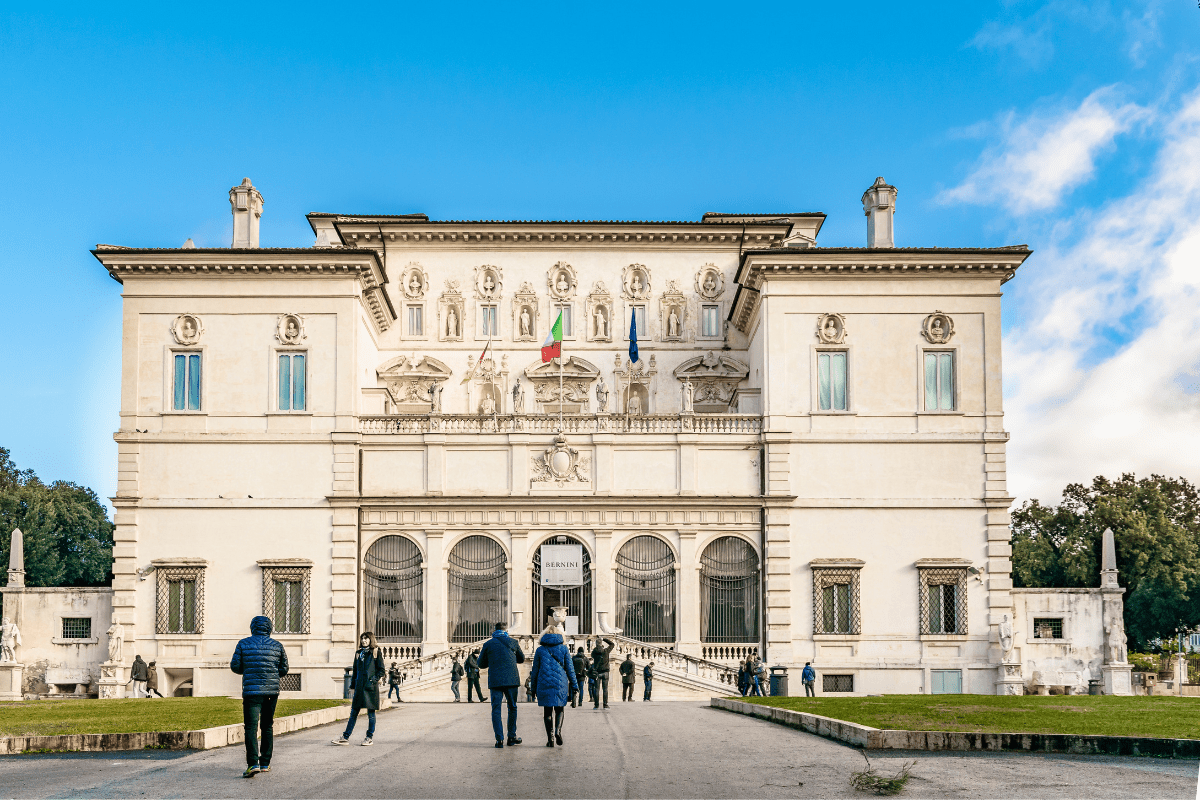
<point x="77" y="628"/>
<point x="729" y="582"/>
<point x="645" y="582"/>
<point x="478" y="577"/>
<point x="394" y="590"/>
<point x="833" y="684"/>
<point x="943" y="601"/>
<point x="180" y="606"/>
<point x="290" y="682"/>
<point x="836" y="594"/>
<point x="1047" y="628"/>
<point x="286" y="592"/>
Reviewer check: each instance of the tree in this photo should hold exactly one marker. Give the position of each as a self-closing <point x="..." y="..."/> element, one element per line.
<point x="68" y="536"/>
<point x="1156" y="525"/>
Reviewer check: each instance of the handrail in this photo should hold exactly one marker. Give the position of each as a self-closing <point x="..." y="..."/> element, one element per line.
<point x="570" y="423"/>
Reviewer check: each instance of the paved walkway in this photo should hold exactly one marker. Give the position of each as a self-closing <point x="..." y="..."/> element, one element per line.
<point x="680" y="749"/>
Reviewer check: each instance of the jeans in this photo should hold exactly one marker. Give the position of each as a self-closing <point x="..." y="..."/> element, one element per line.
<point x="506" y="694"/>
<point x="258" y="714"/>
<point x="601" y="689"/>
<point x="626" y="691"/>
<point x="810" y="689"/>
<point x="755" y="688"/>
<point x="354" y="709"/>
<point x="395" y="687"/>
<point x="454" y="688"/>
<point x="649" y="685"/>
<point x="592" y="689"/>
<point x="473" y="683"/>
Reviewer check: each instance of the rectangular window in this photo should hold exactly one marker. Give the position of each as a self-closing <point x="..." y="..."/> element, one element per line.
<point x="77" y="628"/>
<point x="565" y="309"/>
<point x="181" y="606"/>
<point x="491" y="321"/>
<point x="831" y="381"/>
<point x="291" y="381"/>
<point x="290" y="682"/>
<point x="836" y="608"/>
<point x="639" y="314"/>
<point x="939" y="381"/>
<point x="416" y="321"/>
<point x="831" y="684"/>
<point x="289" y="606"/>
<point x="943" y="608"/>
<point x="945" y="681"/>
<point x="285" y="599"/>
<point x="709" y="321"/>
<point x="187" y="382"/>
<point x="1046" y="628"/>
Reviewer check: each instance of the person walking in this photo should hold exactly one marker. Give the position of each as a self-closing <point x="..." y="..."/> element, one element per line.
<point x="743" y="674"/>
<point x="140" y="675"/>
<point x="394" y="680"/>
<point x="758" y="673"/>
<point x="809" y="677"/>
<point x="580" y="663"/>
<point x="500" y="657"/>
<point x="600" y="666"/>
<point x="647" y="680"/>
<point x="626" y="670"/>
<point x="554" y="680"/>
<point x="368" y="672"/>
<point x="473" y="675"/>
<point x="456" y="674"/>
<point x="261" y="661"/>
<point x="152" y="680"/>
<point x="591" y="680"/>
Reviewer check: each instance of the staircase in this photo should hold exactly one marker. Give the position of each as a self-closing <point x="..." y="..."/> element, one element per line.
<point x="676" y="676"/>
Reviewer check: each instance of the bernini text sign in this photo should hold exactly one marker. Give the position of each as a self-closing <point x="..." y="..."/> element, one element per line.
<point x="562" y="564"/>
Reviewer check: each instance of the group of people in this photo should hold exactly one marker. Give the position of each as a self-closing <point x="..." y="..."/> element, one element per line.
<point x="144" y="678"/>
<point x="595" y="667"/>
<point x="752" y="677"/>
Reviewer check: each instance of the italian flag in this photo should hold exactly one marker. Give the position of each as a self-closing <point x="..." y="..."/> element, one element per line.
<point x="552" y="347"/>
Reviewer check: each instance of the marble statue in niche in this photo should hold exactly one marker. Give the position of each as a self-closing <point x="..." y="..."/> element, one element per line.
<point x="831" y="328"/>
<point x="451" y="323"/>
<point x="435" y="397"/>
<point x="187" y="329"/>
<point x="518" y="397"/>
<point x="937" y="328"/>
<point x="710" y="284"/>
<point x="1006" y="637"/>
<point x="488" y="406"/>
<point x="526" y="322"/>
<point x="290" y="329"/>
<point x="602" y="396"/>
<point x="688" y="396"/>
<point x="599" y="323"/>
<point x="489" y="284"/>
<point x="673" y="323"/>
<point x="634" y="406"/>
<point x="563" y="285"/>
<point x="635" y="284"/>
<point x="414" y="285"/>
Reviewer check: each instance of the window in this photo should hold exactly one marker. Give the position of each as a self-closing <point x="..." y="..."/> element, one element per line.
<point x="710" y="321"/>
<point x="565" y="310"/>
<point x="1043" y="628"/>
<point x="945" y="681"/>
<point x="489" y="319"/>
<point x="290" y="682"/>
<point x="939" y="381"/>
<point x="77" y="628"/>
<point x="837" y="608"/>
<point x="639" y="314"/>
<point x="832" y="684"/>
<point x="291" y="381"/>
<point x="831" y="381"/>
<point x="180" y="606"/>
<point x="416" y="321"/>
<point x="943" y="601"/>
<point x="187" y="382"/>
<point x="285" y="595"/>
<point x="836" y="597"/>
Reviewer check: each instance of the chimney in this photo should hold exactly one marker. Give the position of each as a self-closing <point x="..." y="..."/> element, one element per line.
<point x="879" y="204"/>
<point x="247" y="208"/>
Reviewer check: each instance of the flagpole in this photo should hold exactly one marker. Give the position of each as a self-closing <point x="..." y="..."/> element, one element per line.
<point x="560" y="392"/>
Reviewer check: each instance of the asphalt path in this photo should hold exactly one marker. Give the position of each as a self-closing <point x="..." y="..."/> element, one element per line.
<point x="668" y="750"/>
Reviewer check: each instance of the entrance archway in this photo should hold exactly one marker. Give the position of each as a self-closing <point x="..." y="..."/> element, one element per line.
<point x="577" y="599"/>
<point x="646" y="590"/>
<point x="394" y="590"/>
<point x="478" y="575"/>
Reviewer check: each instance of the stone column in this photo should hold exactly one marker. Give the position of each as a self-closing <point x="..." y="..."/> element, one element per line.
<point x="435" y="592"/>
<point x="522" y="578"/>
<point x="689" y="594"/>
<point x="602" y="577"/>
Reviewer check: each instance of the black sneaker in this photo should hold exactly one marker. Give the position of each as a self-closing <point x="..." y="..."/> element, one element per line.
<point x="558" y="739"/>
<point x="513" y="740"/>
<point x="499" y="745"/>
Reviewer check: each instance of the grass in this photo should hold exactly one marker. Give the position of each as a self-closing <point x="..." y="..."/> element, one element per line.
<point x="1083" y="715"/>
<point x="61" y="717"/>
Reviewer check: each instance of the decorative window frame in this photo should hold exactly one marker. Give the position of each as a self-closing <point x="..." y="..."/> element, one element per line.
<point x="815" y="409"/>
<point x="273" y="354"/>
<point x="287" y="569"/>
<point x="940" y="571"/>
<point x="1030" y="616"/>
<point x="720" y="334"/>
<point x="833" y="571"/>
<point x="414" y="337"/>
<point x="168" y="395"/>
<point x="552" y="314"/>
<point x="939" y="348"/>
<point x="94" y="638"/>
<point x="649" y="337"/>
<point x="480" y="336"/>
<point x="175" y="569"/>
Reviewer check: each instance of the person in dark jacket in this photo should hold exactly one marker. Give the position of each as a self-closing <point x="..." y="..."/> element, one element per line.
<point x="394" y="679"/>
<point x="140" y="675"/>
<point x="647" y="680"/>
<point x="580" y="662"/>
<point x="809" y="678"/>
<point x="500" y="657"/>
<point x="591" y="679"/>
<point x="626" y="670"/>
<point x="743" y="675"/>
<point x="368" y="672"/>
<point x="261" y="661"/>
<point x="530" y="694"/>
<point x="473" y="675"/>
<point x="553" y="674"/>
<point x="152" y="680"/>
<point x="456" y="674"/>
<point x="600" y="665"/>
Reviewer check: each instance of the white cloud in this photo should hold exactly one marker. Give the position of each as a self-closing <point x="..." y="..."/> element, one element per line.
<point x="1078" y="405"/>
<point x="1038" y="161"/>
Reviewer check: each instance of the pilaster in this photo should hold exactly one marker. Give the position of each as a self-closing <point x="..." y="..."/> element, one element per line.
<point x="435" y="464"/>
<point x="689" y="594"/>
<point x="125" y="572"/>
<point x="521" y="589"/>
<point x="344" y="578"/>
<point x="778" y="580"/>
<point x="603" y="576"/>
<point x="436" y="633"/>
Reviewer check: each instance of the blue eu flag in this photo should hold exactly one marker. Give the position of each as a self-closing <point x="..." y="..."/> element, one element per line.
<point x="633" y="356"/>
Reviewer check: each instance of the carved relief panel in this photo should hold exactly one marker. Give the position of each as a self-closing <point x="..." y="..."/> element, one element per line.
<point x="635" y="282"/>
<point x="486" y="393"/>
<point x="577" y="378"/>
<point x="409" y="379"/>
<point x="525" y="314"/>
<point x="289" y="330"/>
<point x="561" y="281"/>
<point x="187" y="329"/>
<point x="831" y="328"/>
<point x="414" y="282"/>
<point x="937" y="328"/>
<point x="636" y="385"/>
<point x="450" y="313"/>
<point x="710" y="282"/>
<point x="714" y="379"/>
<point x="489" y="283"/>
<point x="672" y="313"/>
<point x="599" y="314"/>
<point x="561" y="466"/>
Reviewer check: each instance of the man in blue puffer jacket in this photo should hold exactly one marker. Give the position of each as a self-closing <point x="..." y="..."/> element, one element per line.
<point x="261" y="661"/>
<point x="500" y="656"/>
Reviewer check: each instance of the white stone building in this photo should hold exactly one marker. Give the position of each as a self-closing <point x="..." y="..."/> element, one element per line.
<point x="807" y="461"/>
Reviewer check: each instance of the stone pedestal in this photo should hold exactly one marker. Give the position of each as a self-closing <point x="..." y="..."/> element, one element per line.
<point x="1010" y="681"/>
<point x="11" y="674"/>
<point x="1117" y="679"/>
<point x="112" y="680"/>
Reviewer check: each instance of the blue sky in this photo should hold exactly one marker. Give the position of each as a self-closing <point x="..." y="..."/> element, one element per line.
<point x="1071" y="127"/>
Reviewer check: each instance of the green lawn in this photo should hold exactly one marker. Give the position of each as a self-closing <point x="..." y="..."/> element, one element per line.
<point x="1086" y="715"/>
<point x="58" y="717"/>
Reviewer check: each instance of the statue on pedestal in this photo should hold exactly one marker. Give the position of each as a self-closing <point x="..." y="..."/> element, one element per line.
<point x="688" y="396"/>
<point x="1006" y="638"/>
<point x="10" y="640"/>
<point x="116" y="642"/>
<point x="518" y="397"/>
<point x="602" y="397"/>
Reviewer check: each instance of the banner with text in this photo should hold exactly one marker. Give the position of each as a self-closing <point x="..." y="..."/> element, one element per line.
<point x="562" y="564"/>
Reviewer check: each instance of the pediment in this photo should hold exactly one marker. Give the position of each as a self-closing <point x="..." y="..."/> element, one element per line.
<point x="409" y="379"/>
<point x="413" y="367"/>
<point x="712" y="366"/>
<point x="573" y="367"/>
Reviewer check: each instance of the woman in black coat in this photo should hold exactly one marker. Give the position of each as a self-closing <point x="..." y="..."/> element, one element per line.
<point x="368" y="672"/>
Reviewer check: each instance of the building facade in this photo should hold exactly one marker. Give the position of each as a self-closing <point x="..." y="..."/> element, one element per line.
<point x="806" y="461"/>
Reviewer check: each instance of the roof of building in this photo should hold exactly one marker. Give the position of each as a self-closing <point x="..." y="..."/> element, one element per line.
<point x="709" y="218"/>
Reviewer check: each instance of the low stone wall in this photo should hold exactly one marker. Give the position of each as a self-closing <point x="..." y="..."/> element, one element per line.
<point x="875" y="739"/>
<point x="205" y="739"/>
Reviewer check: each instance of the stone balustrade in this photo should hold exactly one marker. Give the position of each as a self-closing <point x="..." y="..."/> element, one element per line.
<point x="725" y="653"/>
<point x="570" y="423"/>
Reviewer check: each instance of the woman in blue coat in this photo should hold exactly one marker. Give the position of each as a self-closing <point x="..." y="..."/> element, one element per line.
<point x="554" y="680"/>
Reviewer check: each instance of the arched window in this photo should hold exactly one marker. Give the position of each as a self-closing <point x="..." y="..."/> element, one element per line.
<point x="646" y="590"/>
<point x="729" y="611"/>
<point x="577" y="599"/>
<point x="394" y="590"/>
<point x="478" y="589"/>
